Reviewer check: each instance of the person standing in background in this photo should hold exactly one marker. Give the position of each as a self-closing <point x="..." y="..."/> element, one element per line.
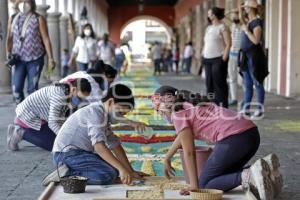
<point x="120" y="58"/>
<point x="254" y="66"/>
<point x="176" y="58"/>
<point x="26" y="44"/>
<point x="106" y="50"/>
<point x="217" y="43"/>
<point x="233" y="57"/>
<point x="157" y="58"/>
<point x="65" y="62"/>
<point x="188" y="58"/>
<point x="85" y="48"/>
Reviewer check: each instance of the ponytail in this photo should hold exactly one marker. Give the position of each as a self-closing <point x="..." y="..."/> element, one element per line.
<point x="195" y="99"/>
<point x="182" y="96"/>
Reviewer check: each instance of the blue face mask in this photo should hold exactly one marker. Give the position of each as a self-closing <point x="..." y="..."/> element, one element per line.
<point x="75" y="101"/>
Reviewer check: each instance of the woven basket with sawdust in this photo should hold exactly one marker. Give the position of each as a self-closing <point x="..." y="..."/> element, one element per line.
<point x="207" y="194"/>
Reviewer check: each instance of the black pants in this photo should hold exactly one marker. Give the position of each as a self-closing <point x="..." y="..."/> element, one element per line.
<point x="216" y="80"/>
<point x="157" y="63"/>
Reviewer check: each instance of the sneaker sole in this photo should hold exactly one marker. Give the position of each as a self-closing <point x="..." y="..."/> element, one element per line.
<point x="261" y="172"/>
<point x="53" y="176"/>
<point x="10" y="132"/>
<point x="276" y="176"/>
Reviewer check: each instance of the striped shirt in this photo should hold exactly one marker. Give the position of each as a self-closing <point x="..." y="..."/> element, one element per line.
<point x="85" y="128"/>
<point x="236" y="38"/>
<point x="48" y="104"/>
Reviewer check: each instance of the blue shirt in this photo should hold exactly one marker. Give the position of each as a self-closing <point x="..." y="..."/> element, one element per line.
<point x="246" y="43"/>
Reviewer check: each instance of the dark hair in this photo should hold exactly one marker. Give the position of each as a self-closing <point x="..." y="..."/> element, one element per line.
<point x="32" y="2"/>
<point x="92" y="30"/>
<point x="82" y="84"/>
<point x="182" y="96"/>
<point x="218" y="12"/>
<point x="121" y="94"/>
<point x="109" y="71"/>
<point x="97" y="74"/>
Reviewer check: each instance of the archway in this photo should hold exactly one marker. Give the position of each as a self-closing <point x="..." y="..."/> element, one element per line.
<point x="142" y="32"/>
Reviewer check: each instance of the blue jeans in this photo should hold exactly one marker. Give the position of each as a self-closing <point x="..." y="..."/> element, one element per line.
<point x="43" y="138"/>
<point x="32" y="70"/>
<point x="249" y="80"/>
<point x="119" y="62"/>
<point x="187" y="64"/>
<point x="87" y="164"/>
<point x="224" y="166"/>
<point x="83" y="66"/>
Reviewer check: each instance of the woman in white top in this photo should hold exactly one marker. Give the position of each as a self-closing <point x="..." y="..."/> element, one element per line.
<point x="85" y="48"/>
<point x="215" y="53"/>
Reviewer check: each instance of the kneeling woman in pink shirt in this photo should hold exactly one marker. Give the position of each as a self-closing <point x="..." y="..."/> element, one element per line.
<point x="236" y="142"/>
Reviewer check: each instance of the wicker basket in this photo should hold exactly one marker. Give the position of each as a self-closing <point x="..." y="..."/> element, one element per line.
<point x="207" y="194"/>
<point x="73" y="184"/>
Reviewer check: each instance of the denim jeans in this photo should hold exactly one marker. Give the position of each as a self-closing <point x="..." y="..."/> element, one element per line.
<point x="32" y="70"/>
<point x="157" y="67"/>
<point x="87" y="164"/>
<point x="119" y="62"/>
<point x="83" y="66"/>
<point x="224" y="166"/>
<point x="43" y="138"/>
<point x="249" y="80"/>
<point x="187" y="64"/>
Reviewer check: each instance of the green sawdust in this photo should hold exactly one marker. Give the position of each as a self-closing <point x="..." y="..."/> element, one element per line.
<point x="290" y="126"/>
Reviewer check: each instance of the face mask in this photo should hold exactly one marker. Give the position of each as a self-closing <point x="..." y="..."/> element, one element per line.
<point x="209" y="20"/>
<point x="87" y="32"/>
<point x="24" y="7"/>
<point x="114" y="117"/>
<point x="236" y="21"/>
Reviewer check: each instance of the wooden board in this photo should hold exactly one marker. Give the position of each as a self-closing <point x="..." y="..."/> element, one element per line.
<point x="119" y="192"/>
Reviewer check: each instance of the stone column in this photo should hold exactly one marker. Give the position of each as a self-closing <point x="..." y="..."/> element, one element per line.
<point x="5" y="86"/>
<point x="42" y="10"/>
<point x="293" y="49"/>
<point x="54" y="33"/>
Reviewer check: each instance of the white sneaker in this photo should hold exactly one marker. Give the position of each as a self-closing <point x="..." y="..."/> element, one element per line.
<point x="276" y="176"/>
<point x="53" y="176"/>
<point x="257" y="180"/>
<point x="14" y="136"/>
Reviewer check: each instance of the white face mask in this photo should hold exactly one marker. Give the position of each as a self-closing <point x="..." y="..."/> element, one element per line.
<point x="87" y="32"/>
<point x="24" y="7"/>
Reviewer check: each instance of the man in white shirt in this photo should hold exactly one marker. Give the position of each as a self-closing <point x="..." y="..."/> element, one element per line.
<point x="188" y="57"/>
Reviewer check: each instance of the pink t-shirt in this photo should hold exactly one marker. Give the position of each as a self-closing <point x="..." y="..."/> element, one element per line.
<point x="210" y="123"/>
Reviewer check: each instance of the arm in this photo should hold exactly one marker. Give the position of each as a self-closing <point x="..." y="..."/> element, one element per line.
<point x="227" y="41"/>
<point x="55" y="120"/>
<point x="122" y="157"/>
<point x="254" y="37"/>
<point x="107" y="155"/>
<point x="173" y="149"/>
<point x="46" y="40"/>
<point x="188" y="146"/>
<point x="9" y="38"/>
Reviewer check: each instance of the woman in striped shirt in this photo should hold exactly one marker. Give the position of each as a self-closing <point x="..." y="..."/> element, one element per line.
<point x="41" y="115"/>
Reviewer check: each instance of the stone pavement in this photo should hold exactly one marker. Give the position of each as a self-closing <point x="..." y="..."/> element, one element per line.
<point x="21" y="172"/>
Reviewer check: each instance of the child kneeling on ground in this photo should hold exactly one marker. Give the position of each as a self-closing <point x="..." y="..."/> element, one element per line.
<point x="236" y="142"/>
<point x="86" y="145"/>
<point x="40" y="116"/>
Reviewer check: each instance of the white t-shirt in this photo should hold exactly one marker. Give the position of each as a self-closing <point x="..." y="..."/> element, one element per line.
<point x="96" y="92"/>
<point x="156" y="52"/>
<point x="106" y="52"/>
<point x="188" y="51"/>
<point x="86" y="49"/>
<point x="213" y="41"/>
